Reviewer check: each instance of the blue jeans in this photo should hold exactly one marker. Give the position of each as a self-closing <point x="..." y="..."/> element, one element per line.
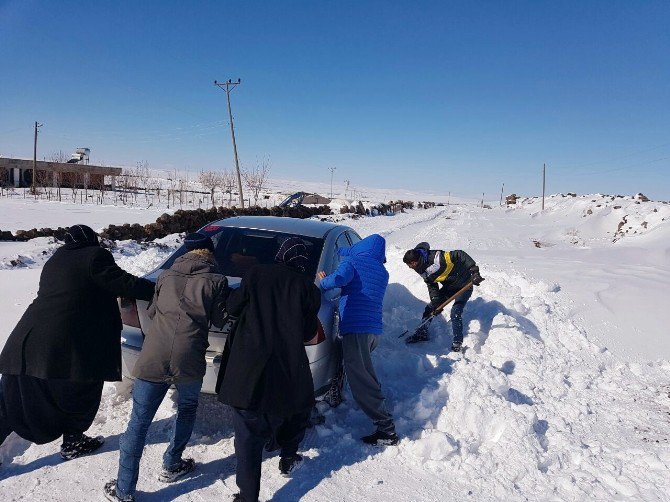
<point x="457" y="314"/>
<point x="147" y="397"/>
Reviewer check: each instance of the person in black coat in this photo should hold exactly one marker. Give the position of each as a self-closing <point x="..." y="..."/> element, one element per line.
<point x="265" y="375"/>
<point x="66" y="345"/>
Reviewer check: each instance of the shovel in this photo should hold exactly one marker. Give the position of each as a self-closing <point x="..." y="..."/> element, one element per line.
<point x="439" y="309"/>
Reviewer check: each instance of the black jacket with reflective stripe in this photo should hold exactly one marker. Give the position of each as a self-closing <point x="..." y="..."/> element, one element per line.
<point x="451" y="269"/>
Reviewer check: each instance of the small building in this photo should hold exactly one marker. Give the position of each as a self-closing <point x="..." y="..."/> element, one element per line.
<point x="19" y="173"/>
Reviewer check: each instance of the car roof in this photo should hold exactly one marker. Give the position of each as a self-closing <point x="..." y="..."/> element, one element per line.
<point x="298" y="226"/>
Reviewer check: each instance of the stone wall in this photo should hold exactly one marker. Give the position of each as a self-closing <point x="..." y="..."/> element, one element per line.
<point x="179" y="222"/>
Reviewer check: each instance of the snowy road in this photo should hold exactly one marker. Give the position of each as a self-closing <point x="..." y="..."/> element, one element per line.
<point x="536" y="409"/>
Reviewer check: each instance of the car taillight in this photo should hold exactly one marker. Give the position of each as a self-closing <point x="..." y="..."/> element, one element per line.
<point x="319" y="336"/>
<point x="128" y="309"/>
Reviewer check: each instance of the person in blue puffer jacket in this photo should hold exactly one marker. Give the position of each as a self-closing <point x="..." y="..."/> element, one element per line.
<point x="363" y="279"/>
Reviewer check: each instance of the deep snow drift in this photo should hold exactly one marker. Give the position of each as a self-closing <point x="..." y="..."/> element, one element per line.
<point x="536" y="409"/>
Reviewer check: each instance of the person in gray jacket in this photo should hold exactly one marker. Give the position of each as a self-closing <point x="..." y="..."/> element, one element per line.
<point x="189" y="296"/>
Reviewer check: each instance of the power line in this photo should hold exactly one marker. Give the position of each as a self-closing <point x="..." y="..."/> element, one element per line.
<point x="614" y="159"/>
<point x="14" y="130"/>
<point x="622" y="168"/>
<point x="159" y="133"/>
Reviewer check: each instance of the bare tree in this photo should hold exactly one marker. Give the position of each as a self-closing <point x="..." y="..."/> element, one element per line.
<point x="59" y="156"/>
<point x="153" y="185"/>
<point x="229" y="183"/>
<point x="76" y="179"/>
<point x="129" y="184"/>
<point x="256" y="179"/>
<point x="143" y="176"/>
<point x="49" y="180"/>
<point x="211" y="180"/>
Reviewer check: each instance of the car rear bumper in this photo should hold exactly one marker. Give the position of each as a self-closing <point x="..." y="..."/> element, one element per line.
<point x="130" y="354"/>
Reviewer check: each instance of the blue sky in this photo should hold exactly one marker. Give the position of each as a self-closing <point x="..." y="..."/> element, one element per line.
<point x="440" y="96"/>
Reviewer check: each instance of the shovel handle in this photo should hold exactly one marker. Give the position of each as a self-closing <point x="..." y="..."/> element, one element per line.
<point x="441" y="306"/>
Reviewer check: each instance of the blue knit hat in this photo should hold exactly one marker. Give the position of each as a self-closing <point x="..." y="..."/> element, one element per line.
<point x="198" y="241"/>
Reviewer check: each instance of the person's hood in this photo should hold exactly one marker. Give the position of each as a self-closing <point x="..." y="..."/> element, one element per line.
<point x="423" y="248"/>
<point x="192" y="263"/>
<point x="373" y="246"/>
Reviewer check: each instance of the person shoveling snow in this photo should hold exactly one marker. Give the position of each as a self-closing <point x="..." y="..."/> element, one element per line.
<point x="454" y="270"/>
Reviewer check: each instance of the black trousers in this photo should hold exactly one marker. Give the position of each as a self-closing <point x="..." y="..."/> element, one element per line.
<point x="5" y="429"/>
<point x="253" y="431"/>
<point x="42" y="410"/>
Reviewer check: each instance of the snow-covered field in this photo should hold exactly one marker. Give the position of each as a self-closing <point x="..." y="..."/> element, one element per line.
<point x="24" y="214"/>
<point x="562" y="394"/>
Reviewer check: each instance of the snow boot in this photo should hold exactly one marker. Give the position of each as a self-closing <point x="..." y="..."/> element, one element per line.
<point x="185" y="466"/>
<point x="420" y="335"/>
<point x="77" y="445"/>
<point x="110" y="493"/>
<point x="288" y="465"/>
<point x="456" y="346"/>
<point x="333" y="397"/>
<point x="381" y="438"/>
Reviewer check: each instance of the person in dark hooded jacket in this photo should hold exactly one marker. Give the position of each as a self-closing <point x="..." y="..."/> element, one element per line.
<point x="363" y="279"/>
<point x="265" y="375"/>
<point x="445" y="273"/>
<point x="67" y="343"/>
<point x="190" y="296"/>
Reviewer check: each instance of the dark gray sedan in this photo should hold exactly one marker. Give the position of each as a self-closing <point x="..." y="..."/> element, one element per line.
<point x="240" y="243"/>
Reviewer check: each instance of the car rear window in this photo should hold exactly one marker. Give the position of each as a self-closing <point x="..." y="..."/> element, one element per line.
<point x="239" y="249"/>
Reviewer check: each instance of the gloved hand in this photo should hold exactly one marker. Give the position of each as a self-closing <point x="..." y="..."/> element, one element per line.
<point x="476" y="278"/>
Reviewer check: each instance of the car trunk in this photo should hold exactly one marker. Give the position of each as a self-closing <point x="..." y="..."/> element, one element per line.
<point x="135" y="337"/>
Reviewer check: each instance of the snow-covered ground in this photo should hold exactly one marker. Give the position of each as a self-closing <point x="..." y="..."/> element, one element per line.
<point x="25" y="214"/>
<point x="562" y="394"/>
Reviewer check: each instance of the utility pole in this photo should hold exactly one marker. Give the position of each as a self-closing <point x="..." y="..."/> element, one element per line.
<point x="544" y="171"/>
<point x="346" y="187"/>
<point x="229" y="85"/>
<point x="332" y="170"/>
<point x="501" y="193"/>
<point x="32" y="188"/>
<point x="482" y="199"/>
<point x="449" y="198"/>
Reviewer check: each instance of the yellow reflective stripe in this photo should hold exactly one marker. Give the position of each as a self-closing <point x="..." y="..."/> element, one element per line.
<point x="448" y="269"/>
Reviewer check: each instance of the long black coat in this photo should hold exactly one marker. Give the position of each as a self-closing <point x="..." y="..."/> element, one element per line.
<point x="266" y="369"/>
<point x="72" y="329"/>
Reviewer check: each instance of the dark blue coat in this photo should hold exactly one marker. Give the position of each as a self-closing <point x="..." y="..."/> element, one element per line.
<point x="363" y="279"/>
